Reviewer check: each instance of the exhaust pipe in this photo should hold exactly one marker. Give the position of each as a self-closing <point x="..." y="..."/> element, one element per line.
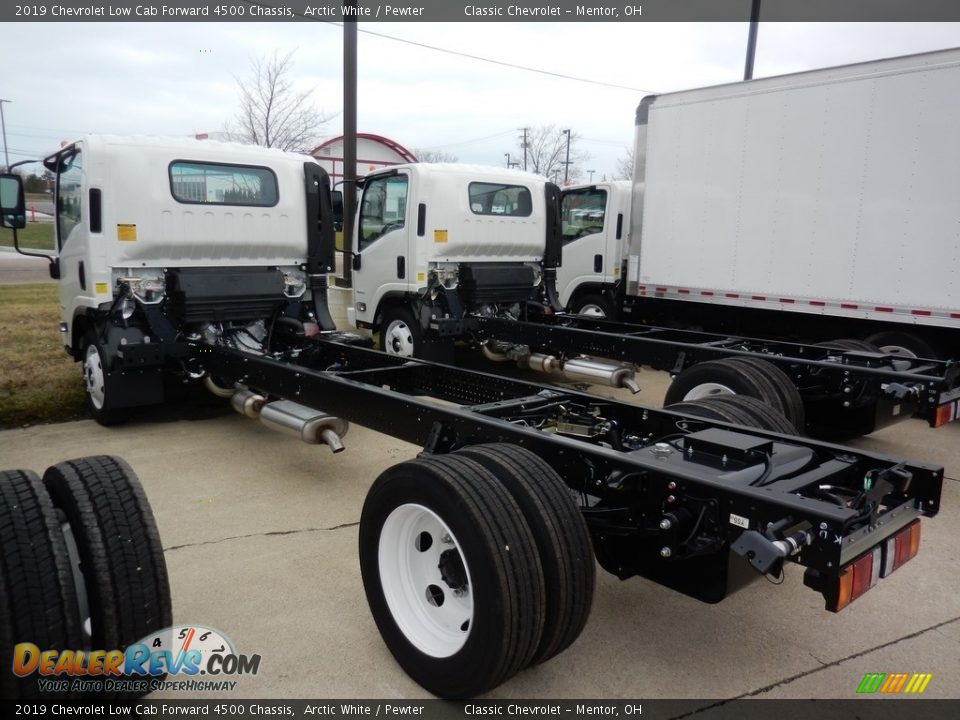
<point x="247" y="402"/>
<point x="311" y="426"/>
<point x="598" y="371"/>
<point x="582" y="369"/>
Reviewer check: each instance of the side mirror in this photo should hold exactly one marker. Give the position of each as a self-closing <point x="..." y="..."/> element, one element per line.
<point x="336" y="202"/>
<point x="12" y="206"/>
<point x="355" y="263"/>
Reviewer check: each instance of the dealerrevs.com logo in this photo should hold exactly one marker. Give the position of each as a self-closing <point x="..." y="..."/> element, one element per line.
<point x="192" y="657"/>
<point x="894" y="683"/>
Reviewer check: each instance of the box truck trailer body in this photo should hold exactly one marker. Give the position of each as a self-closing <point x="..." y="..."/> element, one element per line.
<point x="825" y="193"/>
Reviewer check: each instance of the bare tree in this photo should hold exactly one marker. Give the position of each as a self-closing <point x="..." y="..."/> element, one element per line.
<point x="625" y="166"/>
<point x="273" y="113"/>
<point x="547" y="152"/>
<point x="434" y="156"/>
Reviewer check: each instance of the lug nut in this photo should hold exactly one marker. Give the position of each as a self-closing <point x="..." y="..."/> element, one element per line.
<point x="665" y="524"/>
<point x="665" y="552"/>
<point x="671" y="499"/>
<point x="671" y="485"/>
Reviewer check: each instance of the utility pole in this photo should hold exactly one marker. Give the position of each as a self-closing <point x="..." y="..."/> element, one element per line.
<point x="6" y="150"/>
<point x="566" y="163"/>
<point x="591" y="175"/>
<point x="752" y="39"/>
<point x="524" y="148"/>
<point x="349" y="186"/>
<point x="507" y="156"/>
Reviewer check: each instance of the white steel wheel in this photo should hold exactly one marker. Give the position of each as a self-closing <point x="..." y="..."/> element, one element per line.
<point x="425" y="580"/>
<point x="593" y="310"/>
<point x="400" y="334"/>
<point x="706" y="390"/>
<point x="94" y="376"/>
<point x="452" y="574"/>
<point x="398" y="339"/>
<point x="595" y="306"/>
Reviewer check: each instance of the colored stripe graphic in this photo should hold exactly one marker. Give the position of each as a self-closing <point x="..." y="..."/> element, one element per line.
<point x="871" y="682"/>
<point x="894" y="683"/>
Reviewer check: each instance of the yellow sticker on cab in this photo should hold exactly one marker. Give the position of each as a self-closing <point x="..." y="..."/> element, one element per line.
<point x="126" y="232"/>
<point x="439" y="236"/>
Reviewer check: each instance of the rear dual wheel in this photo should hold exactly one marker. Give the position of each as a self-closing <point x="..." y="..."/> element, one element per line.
<point x="81" y="564"/>
<point x="118" y="549"/>
<point x="737" y="410"/>
<point x="38" y="596"/>
<point x="467" y="573"/>
<point x="750" y="377"/>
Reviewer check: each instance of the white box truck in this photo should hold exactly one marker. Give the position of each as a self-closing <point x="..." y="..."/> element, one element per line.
<point x="821" y="204"/>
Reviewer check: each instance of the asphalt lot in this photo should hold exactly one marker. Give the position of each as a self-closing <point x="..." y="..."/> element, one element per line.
<point x="17" y="268"/>
<point x="260" y="533"/>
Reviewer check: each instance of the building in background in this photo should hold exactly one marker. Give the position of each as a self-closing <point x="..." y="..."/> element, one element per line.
<point x="373" y="152"/>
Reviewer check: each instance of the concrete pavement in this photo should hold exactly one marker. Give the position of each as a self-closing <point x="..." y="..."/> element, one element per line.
<point x="260" y="533"/>
<point x="16" y="268"/>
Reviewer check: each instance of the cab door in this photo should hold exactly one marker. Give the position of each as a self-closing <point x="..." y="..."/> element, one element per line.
<point x="76" y="286"/>
<point x="586" y="257"/>
<point x="383" y="243"/>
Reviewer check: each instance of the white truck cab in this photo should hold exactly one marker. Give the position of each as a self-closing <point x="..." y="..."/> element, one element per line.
<point x="166" y="239"/>
<point x="596" y="220"/>
<point x="441" y="240"/>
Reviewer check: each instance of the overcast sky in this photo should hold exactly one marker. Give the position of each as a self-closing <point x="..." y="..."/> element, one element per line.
<point x="178" y="78"/>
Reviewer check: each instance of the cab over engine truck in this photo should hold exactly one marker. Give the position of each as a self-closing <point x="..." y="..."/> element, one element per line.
<point x="812" y="206"/>
<point x="445" y="253"/>
<point x="208" y="260"/>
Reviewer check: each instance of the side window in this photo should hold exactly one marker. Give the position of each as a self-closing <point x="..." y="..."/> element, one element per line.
<point x="213" y="184"/>
<point x="499" y="199"/>
<point x="69" y="196"/>
<point x="383" y="208"/>
<point x="583" y="213"/>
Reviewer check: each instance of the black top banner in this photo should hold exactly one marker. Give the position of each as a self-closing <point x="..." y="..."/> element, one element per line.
<point x="479" y="11"/>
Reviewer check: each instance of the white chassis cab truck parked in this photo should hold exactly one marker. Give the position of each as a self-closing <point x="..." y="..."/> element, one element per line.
<point x="822" y="204"/>
<point x="436" y="241"/>
<point x="477" y="557"/>
<point x="596" y="220"/>
<point x="169" y="239"/>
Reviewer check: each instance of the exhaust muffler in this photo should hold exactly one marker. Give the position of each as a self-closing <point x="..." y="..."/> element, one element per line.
<point x="311" y="426"/>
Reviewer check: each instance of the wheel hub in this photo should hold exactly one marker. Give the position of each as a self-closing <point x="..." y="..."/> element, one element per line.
<point x="399" y="339"/>
<point x="452" y="571"/>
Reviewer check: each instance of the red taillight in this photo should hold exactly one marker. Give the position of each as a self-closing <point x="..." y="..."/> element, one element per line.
<point x="901" y="547"/>
<point x="857" y="577"/>
<point x="946" y="413"/>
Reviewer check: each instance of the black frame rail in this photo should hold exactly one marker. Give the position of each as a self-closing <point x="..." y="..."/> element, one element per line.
<point x="852" y="392"/>
<point x="630" y="466"/>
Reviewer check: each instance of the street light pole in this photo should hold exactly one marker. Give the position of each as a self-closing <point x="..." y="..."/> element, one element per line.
<point x="566" y="164"/>
<point x="507" y="156"/>
<point x="3" y="125"/>
<point x="591" y="174"/>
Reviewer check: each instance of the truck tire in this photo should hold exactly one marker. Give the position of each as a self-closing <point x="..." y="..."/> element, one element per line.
<point x="903" y="344"/>
<point x="100" y="394"/>
<point x="738" y="410"/>
<point x="400" y="334"/>
<point x="790" y="398"/>
<point x="38" y="600"/>
<point x="561" y="535"/>
<point x="723" y="377"/>
<point x="850" y="344"/>
<point x="595" y="306"/>
<point x="451" y="574"/>
<point x="119" y="548"/>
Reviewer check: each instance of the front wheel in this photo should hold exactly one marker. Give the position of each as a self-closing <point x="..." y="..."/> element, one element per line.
<point x="452" y="575"/>
<point x="99" y="385"/>
<point x="400" y="334"/>
<point x="594" y="306"/>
